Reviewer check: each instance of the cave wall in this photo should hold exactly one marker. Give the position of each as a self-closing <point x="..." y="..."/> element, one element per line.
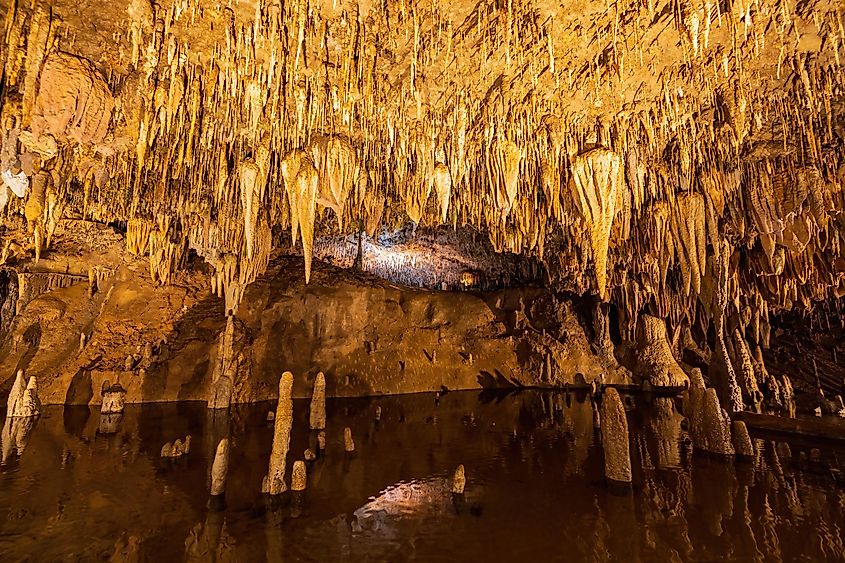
<point x="370" y="337"/>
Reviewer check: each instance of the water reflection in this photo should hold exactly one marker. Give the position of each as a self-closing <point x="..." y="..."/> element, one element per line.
<point x="77" y="485"/>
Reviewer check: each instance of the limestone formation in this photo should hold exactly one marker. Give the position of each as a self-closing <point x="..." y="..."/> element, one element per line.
<point x="348" y="442"/>
<point x="220" y="468"/>
<point x="275" y="479"/>
<point x="23" y="398"/>
<point x="459" y="480"/>
<point x="614" y="436"/>
<point x="317" y="418"/>
<point x="655" y="356"/>
<point x="114" y="398"/>
<point x="321" y="440"/>
<point x="715" y="426"/>
<point x="298" y="476"/>
<point x="743" y="446"/>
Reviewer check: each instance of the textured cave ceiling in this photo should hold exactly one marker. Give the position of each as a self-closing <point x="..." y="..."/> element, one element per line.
<point x="681" y="156"/>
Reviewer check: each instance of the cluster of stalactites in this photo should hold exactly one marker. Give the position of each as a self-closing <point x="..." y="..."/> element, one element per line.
<point x="214" y="156"/>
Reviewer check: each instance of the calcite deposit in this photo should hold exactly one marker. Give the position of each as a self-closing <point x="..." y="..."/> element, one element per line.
<point x="175" y="175"/>
<point x="614" y="438"/>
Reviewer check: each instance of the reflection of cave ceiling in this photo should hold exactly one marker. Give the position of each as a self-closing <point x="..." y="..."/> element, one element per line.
<point x="683" y="155"/>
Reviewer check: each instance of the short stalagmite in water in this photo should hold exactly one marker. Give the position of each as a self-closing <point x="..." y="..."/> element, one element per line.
<point x="614" y="436"/>
<point x="321" y="440"/>
<point x="23" y="398"/>
<point x="715" y="426"/>
<point x="318" y="403"/>
<point x="220" y="468"/>
<point x="348" y="443"/>
<point x="298" y="477"/>
<point x="275" y="482"/>
<point x="459" y="480"/>
<point x="743" y="445"/>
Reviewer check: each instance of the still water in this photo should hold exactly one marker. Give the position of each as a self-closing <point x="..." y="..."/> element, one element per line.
<point x="88" y="489"/>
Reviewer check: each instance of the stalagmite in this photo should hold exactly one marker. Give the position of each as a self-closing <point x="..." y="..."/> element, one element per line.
<point x="114" y="398"/>
<point x="275" y="479"/>
<point x="715" y="426"/>
<point x="317" y="417"/>
<point x="443" y="189"/>
<point x="348" y="443"/>
<point x="742" y="440"/>
<point x="614" y="435"/>
<point x="298" y="476"/>
<point x="655" y="355"/>
<point x="220" y="468"/>
<point x="459" y="481"/>
<point x="597" y="185"/>
<point x="23" y="398"/>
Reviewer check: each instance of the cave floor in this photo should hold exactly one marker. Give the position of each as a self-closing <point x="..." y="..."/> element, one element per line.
<point x="84" y="486"/>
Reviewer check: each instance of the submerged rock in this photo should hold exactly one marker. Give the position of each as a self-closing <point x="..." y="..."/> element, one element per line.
<point x="114" y="398"/>
<point x="348" y="443"/>
<point x="614" y="435"/>
<point x="715" y="426"/>
<point x="298" y="476"/>
<point x="743" y="446"/>
<point x="459" y="480"/>
<point x="317" y="419"/>
<point x="220" y="468"/>
<point x="275" y="479"/>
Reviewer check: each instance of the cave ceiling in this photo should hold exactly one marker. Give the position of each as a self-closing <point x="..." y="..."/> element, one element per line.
<point x="685" y="156"/>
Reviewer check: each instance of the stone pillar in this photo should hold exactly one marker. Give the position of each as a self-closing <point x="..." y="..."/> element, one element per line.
<point x="275" y="480"/>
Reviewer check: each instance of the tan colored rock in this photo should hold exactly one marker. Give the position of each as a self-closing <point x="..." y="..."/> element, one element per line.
<point x="743" y="446"/>
<point x="220" y="468"/>
<point x="275" y="479"/>
<point x="348" y="442"/>
<point x="317" y="417"/>
<point x="23" y="398"/>
<point x="459" y="480"/>
<point x="614" y="435"/>
<point x="715" y="426"/>
<point x="655" y="356"/>
<point x="298" y="476"/>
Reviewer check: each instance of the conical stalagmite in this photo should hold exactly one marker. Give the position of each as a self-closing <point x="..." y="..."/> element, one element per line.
<point x="614" y="437"/>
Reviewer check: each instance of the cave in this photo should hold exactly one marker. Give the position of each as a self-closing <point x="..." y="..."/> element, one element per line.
<point x="502" y="280"/>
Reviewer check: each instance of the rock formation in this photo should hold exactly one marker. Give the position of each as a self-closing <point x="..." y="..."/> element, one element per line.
<point x="614" y="437"/>
<point x="23" y="398"/>
<point x="459" y="480"/>
<point x="348" y="442"/>
<point x="275" y="479"/>
<point x="317" y="415"/>
<point x="298" y="476"/>
<point x="220" y="468"/>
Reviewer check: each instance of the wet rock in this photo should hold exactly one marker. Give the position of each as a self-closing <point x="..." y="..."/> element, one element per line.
<point x="321" y="440"/>
<point x="309" y="455"/>
<point x="614" y="433"/>
<point x="114" y="397"/>
<point x="15" y="436"/>
<point x="715" y="426"/>
<point x="743" y="446"/>
<point x="317" y="418"/>
<point x="298" y="476"/>
<point x="220" y="468"/>
<point x="109" y="423"/>
<point x="23" y="398"/>
<point x="348" y="443"/>
<point x="459" y="480"/>
<point x="275" y="479"/>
